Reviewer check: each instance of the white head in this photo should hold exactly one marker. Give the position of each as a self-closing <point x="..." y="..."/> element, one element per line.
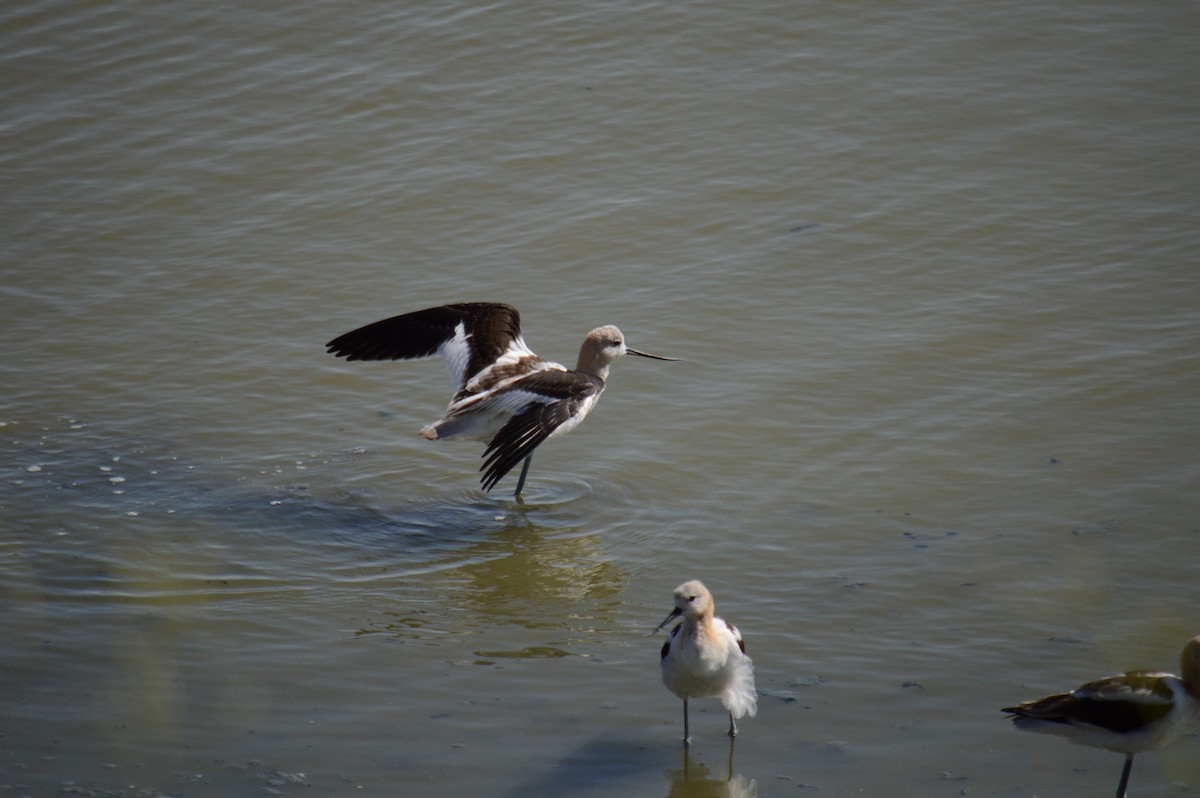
<point x="602" y="346"/>
<point x="692" y="601"/>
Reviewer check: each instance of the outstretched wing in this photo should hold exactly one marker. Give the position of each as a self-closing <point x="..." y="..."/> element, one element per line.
<point x="471" y="336"/>
<point x="555" y="399"/>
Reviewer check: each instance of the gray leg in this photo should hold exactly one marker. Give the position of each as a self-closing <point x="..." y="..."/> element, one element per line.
<point x="732" y="726"/>
<point x="1125" y="776"/>
<point x="524" y="473"/>
<point x="687" y="739"/>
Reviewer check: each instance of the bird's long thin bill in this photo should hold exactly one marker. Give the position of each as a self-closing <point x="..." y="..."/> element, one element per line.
<point x="675" y="613"/>
<point x="631" y="351"/>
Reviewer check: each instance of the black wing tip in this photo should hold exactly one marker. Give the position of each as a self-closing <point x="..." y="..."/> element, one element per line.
<point x="502" y="460"/>
<point x="498" y="461"/>
<point x="406" y="337"/>
<point x="338" y="349"/>
<point x="366" y="351"/>
<point x="515" y="441"/>
<point x="497" y="471"/>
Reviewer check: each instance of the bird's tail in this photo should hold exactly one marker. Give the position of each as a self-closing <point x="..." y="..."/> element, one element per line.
<point x="740" y="696"/>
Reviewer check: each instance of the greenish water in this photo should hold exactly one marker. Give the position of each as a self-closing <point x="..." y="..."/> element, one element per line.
<point x="932" y="446"/>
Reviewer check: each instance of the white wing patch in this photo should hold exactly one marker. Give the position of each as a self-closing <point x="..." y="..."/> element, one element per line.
<point x="481" y="415"/>
<point x="517" y="350"/>
<point x="457" y="351"/>
<point x="513" y="401"/>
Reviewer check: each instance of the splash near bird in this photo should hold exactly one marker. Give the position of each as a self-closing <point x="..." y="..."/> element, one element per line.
<point x="503" y="392"/>
<point x="1128" y="713"/>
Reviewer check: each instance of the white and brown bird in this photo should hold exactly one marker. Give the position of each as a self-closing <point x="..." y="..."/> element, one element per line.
<point x="503" y="392"/>
<point x="705" y="657"/>
<point x="1128" y="713"/>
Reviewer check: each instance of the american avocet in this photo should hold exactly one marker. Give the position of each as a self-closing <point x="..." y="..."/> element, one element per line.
<point x="1129" y="713"/>
<point x="704" y="657"/>
<point x="502" y="390"/>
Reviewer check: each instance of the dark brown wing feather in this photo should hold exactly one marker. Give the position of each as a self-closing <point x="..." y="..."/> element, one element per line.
<point x="1111" y="703"/>
<point x="561" y="393"/>
<point x="419" y="334"/>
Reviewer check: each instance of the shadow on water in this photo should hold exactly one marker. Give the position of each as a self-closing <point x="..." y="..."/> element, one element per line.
<point x="604" y="766"/>
<point x="611" y="766"/>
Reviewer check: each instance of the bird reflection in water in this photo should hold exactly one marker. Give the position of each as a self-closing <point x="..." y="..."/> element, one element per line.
<point x="693" y="780"/>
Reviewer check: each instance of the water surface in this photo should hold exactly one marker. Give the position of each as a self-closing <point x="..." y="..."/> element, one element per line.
<point x="932" y="446"/>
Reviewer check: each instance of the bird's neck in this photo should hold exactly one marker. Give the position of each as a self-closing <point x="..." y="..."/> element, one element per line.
<point x="590" y="364"/>
<point x="700" y="624"/>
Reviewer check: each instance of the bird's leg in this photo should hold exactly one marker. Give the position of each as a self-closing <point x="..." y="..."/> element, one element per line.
<point x="524" y="473"/>
<point x="1125" y="776"/>
<point x="732" y="726"/>
<point x="729" y="771"/>
<point x="687" y="739"/>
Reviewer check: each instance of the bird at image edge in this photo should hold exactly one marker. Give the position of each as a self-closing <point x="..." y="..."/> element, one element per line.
<point x="1128" y="713"/>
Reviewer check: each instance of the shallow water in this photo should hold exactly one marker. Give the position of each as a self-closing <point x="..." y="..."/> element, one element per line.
<point x="933" y="444"/>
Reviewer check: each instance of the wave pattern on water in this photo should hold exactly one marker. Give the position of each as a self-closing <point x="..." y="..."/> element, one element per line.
<point x="930" y="269"/>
